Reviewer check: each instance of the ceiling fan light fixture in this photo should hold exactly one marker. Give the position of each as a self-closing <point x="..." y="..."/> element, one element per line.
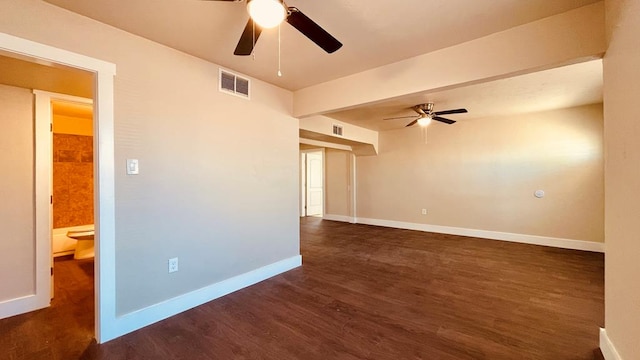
<point x="266" y="13"/>
<point x="424" y="120"/>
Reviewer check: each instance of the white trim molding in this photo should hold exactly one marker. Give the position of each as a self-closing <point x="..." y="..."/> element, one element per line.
<point x="342" y="218"/>
<point x="104" y="192"/>
<point x="606" y="347"/>
<point x="491" y="235"/>
<point x="20" y="305"/>
<point x="154" y="313"/>
<point x="28" y="50"/>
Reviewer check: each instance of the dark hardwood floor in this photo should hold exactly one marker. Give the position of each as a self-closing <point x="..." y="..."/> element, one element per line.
<point x="61" y="331"/>
<point x="364" y="292"/>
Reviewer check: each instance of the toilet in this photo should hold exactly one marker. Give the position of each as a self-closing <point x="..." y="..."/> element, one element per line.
<point x="85" y="243"/>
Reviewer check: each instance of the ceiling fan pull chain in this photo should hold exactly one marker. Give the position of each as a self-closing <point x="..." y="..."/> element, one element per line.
<point x="253" y="48"/>
<point x="279" y="52"/>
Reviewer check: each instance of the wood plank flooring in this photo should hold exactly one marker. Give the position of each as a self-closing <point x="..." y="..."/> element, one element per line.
<point x="61" y="331"/>
<point x="364" y="292"/>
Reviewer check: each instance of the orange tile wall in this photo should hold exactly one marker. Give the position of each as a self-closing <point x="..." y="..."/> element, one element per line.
<point x="72" y="180"/>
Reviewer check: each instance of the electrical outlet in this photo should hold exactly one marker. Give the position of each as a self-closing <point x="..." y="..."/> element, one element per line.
<point x="424" y="211"/>
<point x="173" y="265"/>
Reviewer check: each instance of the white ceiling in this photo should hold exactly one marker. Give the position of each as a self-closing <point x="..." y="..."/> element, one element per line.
<point x="72" y="109"/>
<point x="61" y="79"/>
<point x="568" y="86"/>
<point x="373" y="32"/>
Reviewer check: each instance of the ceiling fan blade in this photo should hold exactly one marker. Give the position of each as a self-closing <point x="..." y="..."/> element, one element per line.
<point x="313" y="31"/>
<point x="444" y="120"/>
<point x="447" y="112"/>
<point x="401" y="117"/>
<point x="248" y="38"/>
<point x="412" y="123"/>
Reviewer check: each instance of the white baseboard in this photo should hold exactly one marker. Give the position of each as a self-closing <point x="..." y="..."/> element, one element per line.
<point x="22" y="305"/>
<point x="342" y="218"/>
<point x="152" y="314"/>
<point x="606" y="347"/>
<point x="492" y="235"/>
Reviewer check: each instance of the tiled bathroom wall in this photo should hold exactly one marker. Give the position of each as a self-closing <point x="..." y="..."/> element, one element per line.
<point x="72" y="180"/>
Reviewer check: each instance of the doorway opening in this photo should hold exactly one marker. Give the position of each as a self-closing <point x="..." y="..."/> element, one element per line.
<point x="72" y="208"/>
<point x="40" y="258"/>
<point x="312" y="181"/>
<point x="72" y="177"/>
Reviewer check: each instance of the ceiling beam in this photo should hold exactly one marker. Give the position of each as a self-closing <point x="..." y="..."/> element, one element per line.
<point x="570" y="37"/>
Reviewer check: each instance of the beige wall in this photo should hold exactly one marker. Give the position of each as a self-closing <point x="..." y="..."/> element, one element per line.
<point x="622" y="186"/>
<point x="208" y="166"/>
<point x="482" y="173"/>
<point x="337" y="177"/>
<point x="17" y="237"/>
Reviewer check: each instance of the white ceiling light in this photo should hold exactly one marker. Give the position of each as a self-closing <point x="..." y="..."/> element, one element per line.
<point x="266" y="13"/>
<point x="425" y="119"/>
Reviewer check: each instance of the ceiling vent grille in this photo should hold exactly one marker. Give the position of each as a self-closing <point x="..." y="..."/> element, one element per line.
<point x="337" y="130"/>
<point x="234" y="84"/>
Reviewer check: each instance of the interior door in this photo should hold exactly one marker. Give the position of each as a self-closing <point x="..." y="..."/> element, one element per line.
<point x="315" y="179"/>
<point x="27" y="286"/>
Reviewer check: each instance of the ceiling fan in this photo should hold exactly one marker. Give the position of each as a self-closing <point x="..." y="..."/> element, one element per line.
<point x="265" y="14"/>
<point x="426" y="114"/>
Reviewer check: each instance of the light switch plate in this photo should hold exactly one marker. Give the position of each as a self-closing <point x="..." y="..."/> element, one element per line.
<point x="132" y="167"/>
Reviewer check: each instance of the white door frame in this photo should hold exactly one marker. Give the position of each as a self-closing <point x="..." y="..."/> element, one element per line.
<point x="104" y="195"/>
<point x="303" y="184"/>
<point x="352" y="188"/>
<point x="303" y="174"/>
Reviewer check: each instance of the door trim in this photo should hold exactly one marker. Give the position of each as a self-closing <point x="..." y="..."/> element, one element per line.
<point x="303" y="184"/>
<point x="353" y="186"/>
<point x="303" y="154"/>
<point x="104" y="194"/>
<point x="44" y="165"/>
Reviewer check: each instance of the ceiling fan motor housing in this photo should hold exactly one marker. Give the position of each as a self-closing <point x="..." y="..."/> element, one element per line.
<point x="424" y="108"/>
